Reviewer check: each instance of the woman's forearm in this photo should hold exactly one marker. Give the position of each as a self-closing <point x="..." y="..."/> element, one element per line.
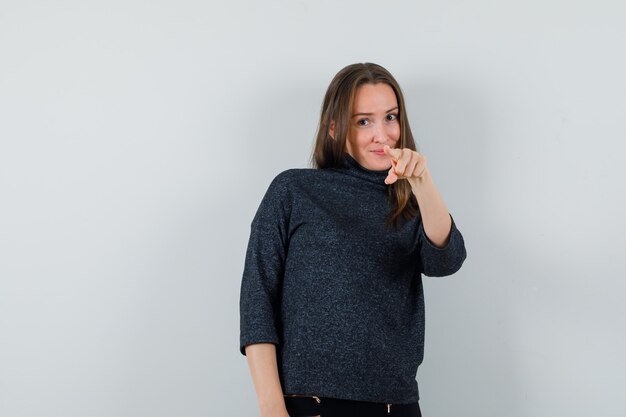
<point x="435" y="216"/>
<point x="409" y="164"/>
<point x="264" y="371"/>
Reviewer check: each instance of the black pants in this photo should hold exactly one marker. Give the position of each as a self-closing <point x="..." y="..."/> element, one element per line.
<point x="307" y="406"/>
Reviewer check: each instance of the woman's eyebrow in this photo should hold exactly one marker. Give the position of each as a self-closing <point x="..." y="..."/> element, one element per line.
<point x="369" y="114"/>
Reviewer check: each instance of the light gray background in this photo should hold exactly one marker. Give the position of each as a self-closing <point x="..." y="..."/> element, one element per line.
<point x="138" y="137"/>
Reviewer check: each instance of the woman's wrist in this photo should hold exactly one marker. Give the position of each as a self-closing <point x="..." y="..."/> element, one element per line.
<point x="272" y="406"/>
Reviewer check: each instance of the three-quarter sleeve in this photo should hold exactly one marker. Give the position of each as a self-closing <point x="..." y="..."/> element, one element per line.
<point x="440" y="262"/>
<point x="264" y="266"/>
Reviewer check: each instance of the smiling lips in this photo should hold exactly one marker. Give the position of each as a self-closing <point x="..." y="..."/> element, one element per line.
<point x="379" y="152"/>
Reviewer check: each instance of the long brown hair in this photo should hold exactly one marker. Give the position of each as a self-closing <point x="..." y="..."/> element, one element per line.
<point x="337" y="107"/>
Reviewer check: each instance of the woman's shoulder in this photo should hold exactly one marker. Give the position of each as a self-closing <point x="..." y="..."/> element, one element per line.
<point x="294" y="181"/>
<point x="299" y="176"/>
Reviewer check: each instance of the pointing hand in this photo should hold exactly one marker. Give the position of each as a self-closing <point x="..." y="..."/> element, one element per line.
<point x="405" y="164"/>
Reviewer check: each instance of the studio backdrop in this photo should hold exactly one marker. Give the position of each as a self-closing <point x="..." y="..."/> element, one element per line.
<point x="137" y="139"/>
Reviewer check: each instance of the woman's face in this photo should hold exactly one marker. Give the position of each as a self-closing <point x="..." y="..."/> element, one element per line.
<point x="374" y="124"/>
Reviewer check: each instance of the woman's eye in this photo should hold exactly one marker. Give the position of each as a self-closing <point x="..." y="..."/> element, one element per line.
<point x="392" y="117"/>
<point x="362" y="122"/>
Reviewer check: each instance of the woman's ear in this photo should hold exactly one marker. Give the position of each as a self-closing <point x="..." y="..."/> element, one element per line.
<point x="331" y="129"/>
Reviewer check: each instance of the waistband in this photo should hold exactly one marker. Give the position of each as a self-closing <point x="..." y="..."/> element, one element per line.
<point x="311" y="405"/>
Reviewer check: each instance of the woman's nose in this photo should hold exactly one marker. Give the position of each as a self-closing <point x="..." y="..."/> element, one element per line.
<point x="379" y="135"/>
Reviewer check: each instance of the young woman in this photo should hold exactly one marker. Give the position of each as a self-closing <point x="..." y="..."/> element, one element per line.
<point x="332" y="307"/>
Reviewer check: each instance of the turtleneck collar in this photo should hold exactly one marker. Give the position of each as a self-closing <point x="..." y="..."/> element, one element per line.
<point x="352" y="167"/>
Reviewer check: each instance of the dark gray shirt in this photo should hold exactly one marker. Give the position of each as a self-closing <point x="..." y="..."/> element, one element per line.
<point x="338" y="293"/>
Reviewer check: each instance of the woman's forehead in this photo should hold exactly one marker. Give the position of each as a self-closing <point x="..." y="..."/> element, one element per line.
<point x="372" y="98"/>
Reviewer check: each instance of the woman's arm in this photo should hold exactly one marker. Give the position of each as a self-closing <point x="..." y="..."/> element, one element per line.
<point x="260" y="295"/>
<point x="435" y="216"/>
<point x="264" y="371"/>
<point x="442" y="248"/>
<point x="409" y="164"/>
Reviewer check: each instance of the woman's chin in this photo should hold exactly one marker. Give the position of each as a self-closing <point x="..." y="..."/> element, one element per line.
<point x="374" y="162"/>
<point x="378" y="164"/>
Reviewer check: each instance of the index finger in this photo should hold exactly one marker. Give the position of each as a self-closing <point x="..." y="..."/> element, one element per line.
<point x="394" y="153"/>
